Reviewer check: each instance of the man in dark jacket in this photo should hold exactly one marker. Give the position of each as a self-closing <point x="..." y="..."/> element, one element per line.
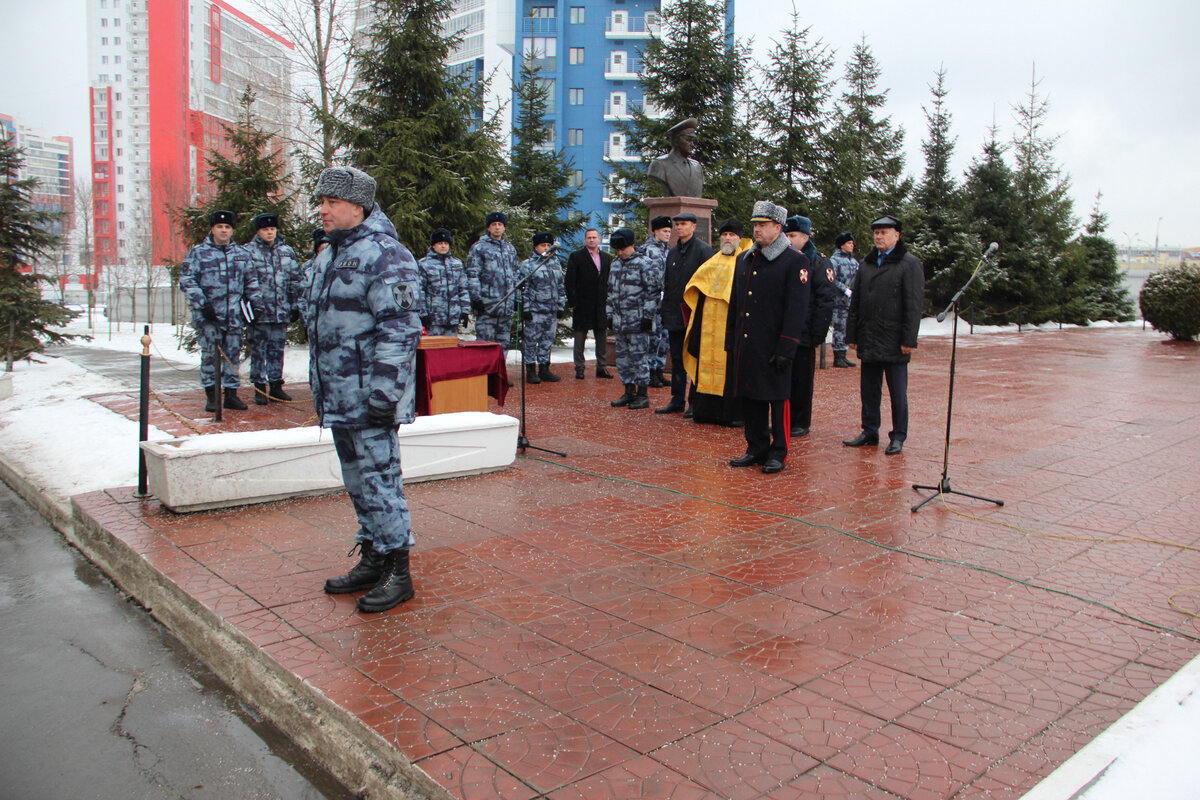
<point x="882" y="326"/>
<point x="768" y="312"/>
<point x="682" y="261"/>
<point x="820" y="312"/>
<point x="586" y="283"/>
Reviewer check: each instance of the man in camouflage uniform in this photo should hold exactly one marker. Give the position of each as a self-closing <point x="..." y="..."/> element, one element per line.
<point x="278" y="273"/>
<point x="217" y="277"/>
<point x="362" y="307"/>
<point x="658" y="244"/>
<point x="444" y="296"/>
<point x="543" y="296"/>
<point x="845" y="265"/>
<point x="491" y="276"/>
<point x="634" y="292"/>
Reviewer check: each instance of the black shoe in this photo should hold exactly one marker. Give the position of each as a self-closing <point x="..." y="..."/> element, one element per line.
<point x="579" y="373"/>
<point x="545" y="374"/>
<point x="772" y="465"/>
<point x="393" y="588"/>
<point x="656" y="379"/>
<point x="365" y="574"/>
<point x="601" y="372"/>
<point x="627" y="398"/>
<point x="894" y="446"/>
<point x="840" y="360"/>
<point x="277" y="392"/>
<point x="232" y="401"/>
<point x="798" y="432"/>
<point x="210" y="398"/>
<point x="640" y="400"/>
<point x="747" y="460"/>
<point x="670" y="408"/>
<point x="260" y="394"/>
<point x="689" y="413"/>
<point x="862" y="440"/>
<point x="531" y="374"/>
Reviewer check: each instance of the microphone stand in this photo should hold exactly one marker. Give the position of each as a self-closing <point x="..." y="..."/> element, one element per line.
<point x="522" y="439"/>
<point x="943" y="486"/>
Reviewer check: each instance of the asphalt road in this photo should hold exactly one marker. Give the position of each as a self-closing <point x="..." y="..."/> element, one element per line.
<point x="100" y="701"/>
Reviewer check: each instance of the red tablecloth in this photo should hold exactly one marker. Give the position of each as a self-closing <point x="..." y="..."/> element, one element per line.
<point x="467" y="360"/>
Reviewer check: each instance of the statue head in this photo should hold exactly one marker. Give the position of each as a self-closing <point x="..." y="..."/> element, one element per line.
<point x="683" y="136"/>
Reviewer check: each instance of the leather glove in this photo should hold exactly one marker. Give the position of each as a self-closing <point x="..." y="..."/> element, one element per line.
<point x="295" y="315"/>
<point x="608" y="323"/>
<point x="527" y="316"/>
<point x="647" y="325"/>
<point x="208" y="312"/>
<point x="464" y="319"/>
<point x="780" y="363"/>
<point x="477" y="306"/>
<point x="381" y="412"/>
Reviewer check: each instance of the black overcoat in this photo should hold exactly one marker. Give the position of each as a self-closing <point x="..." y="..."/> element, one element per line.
<point x="768" y="312"/>
<point x="820" y="311"/>
<point x="682" y="261"/>
<point x="587" y="290"/>
<point x="885" y="306"/>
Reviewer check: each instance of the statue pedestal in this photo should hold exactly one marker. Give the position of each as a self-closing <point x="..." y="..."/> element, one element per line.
<point x="672" y="206"/>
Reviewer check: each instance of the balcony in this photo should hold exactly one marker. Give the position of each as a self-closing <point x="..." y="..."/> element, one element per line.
<point x="618" y="152"/>
<point x="539" y="26"/>
<point x="618" y="112"/>
<point x="620" y="25"/>
<point x="622" y="69"/>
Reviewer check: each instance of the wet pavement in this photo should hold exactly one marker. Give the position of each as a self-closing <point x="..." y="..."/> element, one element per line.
<point x="638" y="619"/>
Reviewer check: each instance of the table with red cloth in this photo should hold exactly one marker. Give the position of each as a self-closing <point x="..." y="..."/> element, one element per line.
<point x="467" y="360"/>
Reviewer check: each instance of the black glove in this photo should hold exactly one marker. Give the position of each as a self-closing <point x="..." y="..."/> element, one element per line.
<point x="381" y="412"/>
<point x="425" y="322"/>
<point x="477" y="306"/>
<point x="208" y="312"/>
<point x="780" y="363"/>
<point x="295" y="315"/>
<point x="464" y="319"/>
<point x="608" y="323"/>
<point x="647" y="325"/>
<point x="527" y="316"/>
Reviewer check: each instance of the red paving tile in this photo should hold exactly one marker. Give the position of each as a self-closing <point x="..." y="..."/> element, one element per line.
<point x="640" y="620"/>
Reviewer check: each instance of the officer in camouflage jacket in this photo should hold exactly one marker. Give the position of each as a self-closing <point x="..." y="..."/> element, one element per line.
<point x="634" y="292"/>
<point x="445" y="300"/>
<point x="491" y="276"/>
<point x="543" y="297"/>
<point x="278" y="272"/>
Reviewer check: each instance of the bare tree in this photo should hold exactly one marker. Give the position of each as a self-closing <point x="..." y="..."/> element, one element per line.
<point x="83" y="218"/>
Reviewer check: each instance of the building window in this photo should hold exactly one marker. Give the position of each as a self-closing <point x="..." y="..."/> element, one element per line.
<point x="540" y="47"/>
<point x="117" y="40"/>
<point x="542" y="12"/>
<point x="103" y="40"/>
<point x="116" y="59"/>
<point x="577" y="15"/>
<point x="576" y="56"/>
<point x="577" y="177"/>
<point x="575" y="137"/>
<point x="104" y="22"/>
<point x="103" y="59"/>
<point x="575" y="97"/>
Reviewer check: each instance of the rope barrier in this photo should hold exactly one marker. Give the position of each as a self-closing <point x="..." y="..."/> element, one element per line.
<point x="182" y="420"/>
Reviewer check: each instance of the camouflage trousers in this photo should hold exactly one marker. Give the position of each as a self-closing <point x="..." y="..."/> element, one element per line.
<point x="211" y="337"/>
<point x="433" y="329"/>
<point x="539" y="337"/>
<point x="266" y="351"/>
<point x="839" y="327"/>
<point x="370" y="460"/>
<point x="494" y="329"/>
<point x="633" y="357"/>
<point x="660" y="346"/>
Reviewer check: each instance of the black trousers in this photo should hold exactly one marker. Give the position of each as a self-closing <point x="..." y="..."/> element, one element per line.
<point x="601" y="336"/>
<point x="679" y="376"/>
<point x="766" y="428"/>
<point x="870" y="384"/>
<point x="804" y="371"/>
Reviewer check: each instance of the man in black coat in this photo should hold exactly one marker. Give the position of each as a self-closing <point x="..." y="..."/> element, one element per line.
<point x="586" y="283"/>
<point x="882" y="325"/>
<point x="820" y="314"/>
<point x="768" y="312"/>
<point x="682" y="261"/>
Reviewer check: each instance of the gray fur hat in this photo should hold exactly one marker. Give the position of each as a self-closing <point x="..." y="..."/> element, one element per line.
<point x="346" y="183"/>
<point x="766" y="211"/>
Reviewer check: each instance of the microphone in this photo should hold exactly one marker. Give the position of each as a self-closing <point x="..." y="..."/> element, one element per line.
<point x="992" y="248"/>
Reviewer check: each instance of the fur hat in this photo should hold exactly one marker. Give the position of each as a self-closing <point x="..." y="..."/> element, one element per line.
<point x="886" y="221"/>
<point x="543" y="238"/>
<point x="441" y="235"/>
<point x="798" y="224"/>
<point x="660" y="222"/>
<point x="222" y="218"/>
<point x="497" y="216"/>
<point x="266" y="220"/>
<point x="730" y="225"/>
<point x="346" y="183"/>
<point x="843" y="238"/>
<point x="621" y="238"/>
<point x="766" y="211"/>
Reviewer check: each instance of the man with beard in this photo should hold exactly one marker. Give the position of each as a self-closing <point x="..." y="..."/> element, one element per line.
<point x="682" y="260"/>
<point x="820" y="311"/>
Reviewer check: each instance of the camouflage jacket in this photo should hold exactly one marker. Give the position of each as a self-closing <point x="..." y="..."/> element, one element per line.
<point x="444" y="295"/>
<point x="634" y="288"/>
<point x="657" y="251"/>
<point x="222" y="276"/>
<point x="491" y="274"/>
<point x="544" y="292"/>
<point x="278" y="273"/>
<point x="362" y="310"/>
<point x="845" y="266"/>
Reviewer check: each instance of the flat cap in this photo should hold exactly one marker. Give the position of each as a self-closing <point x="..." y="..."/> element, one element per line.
<point x="766" y="211"/>
<point x="886" y="221"/>
<point x="730" y="225"/>
<point x="222" y="218"/>
<point x="621" y="238"/>
<point x="266" y="220"/>
<point x="798" y="224"/>
<point x="659" y="222"/>
<point x="686" y="216"/>
<point x="346" y="183"/>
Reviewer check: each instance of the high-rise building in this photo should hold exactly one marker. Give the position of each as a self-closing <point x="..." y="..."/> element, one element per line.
<point x="164" y="77"/>
<point x="51" y="161"/>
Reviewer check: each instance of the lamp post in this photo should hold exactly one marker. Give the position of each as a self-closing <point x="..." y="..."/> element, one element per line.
<point x="1128" y="251"/>
<point x="1156" y="227"/>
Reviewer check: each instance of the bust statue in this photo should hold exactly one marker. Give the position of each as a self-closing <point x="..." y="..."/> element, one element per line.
<point x="677" y="171"/>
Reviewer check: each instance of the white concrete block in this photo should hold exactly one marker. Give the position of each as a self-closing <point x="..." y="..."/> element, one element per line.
<point x="230" y="469"/>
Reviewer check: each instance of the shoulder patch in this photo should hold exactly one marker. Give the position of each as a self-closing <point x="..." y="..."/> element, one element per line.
<point x="804" y="276"/>
<point x="347" y="263"/>
<point x="404" y="295"/>
<point x="829" y="273"/>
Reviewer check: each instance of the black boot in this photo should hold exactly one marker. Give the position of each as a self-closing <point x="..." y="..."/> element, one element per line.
<point x="210" y="398"/>
<point x="579" y="373"/>
<point x="260" y="394"/>
<point x="840" y="360"/>
<point x="545" y="374"/>
<point x="531" y="374"/>
<point x="627" y="398"/>
<point x="393" y="588"/>
<point x="365" y="574"/>
<point x="656" y="379"/>
<point x="232" y="401"/>
<point x="640" y="400"/>
<point x="277" y="392"/>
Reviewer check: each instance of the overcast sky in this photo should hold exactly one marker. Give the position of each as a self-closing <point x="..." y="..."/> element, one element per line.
<point x="1122" y="79"/>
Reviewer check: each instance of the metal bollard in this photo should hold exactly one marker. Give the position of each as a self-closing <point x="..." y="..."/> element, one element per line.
<point x="144" y="413"/>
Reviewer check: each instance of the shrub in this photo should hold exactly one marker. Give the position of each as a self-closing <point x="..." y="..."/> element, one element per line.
<point x="1170" y="301"/>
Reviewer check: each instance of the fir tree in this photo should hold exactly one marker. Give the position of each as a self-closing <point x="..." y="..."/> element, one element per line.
<point x="990" y="201"/>
<point x="419" y="130"/>
<point x="1101" y="293"/>
<point x="27" y="322"/>
<point x="539" y="176"/>
<point x="792" y="112"/>
<point x="863" y="175"/>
